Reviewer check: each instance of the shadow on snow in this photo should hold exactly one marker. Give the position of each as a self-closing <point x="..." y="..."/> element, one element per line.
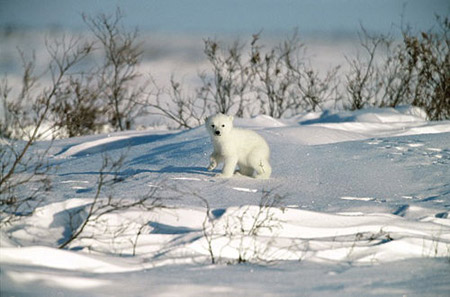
<point x="115" y="145"/>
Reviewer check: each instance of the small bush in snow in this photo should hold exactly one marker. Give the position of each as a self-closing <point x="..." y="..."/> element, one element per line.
<point x="414" y="71"/>
<point x="27" y="117"/>
<point x="86" y="222"/>
<point x="243" y="80"/>
<point x="250" y="80"/>
<point x="231" y="237"/>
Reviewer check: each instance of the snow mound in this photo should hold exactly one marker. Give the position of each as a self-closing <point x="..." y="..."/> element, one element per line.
<point x="260" y="121"/>
<point x="57" y="259"/>
<point x="403" y="114"/>
<point x="356" y="189"/>
<point x="247" y="233"/>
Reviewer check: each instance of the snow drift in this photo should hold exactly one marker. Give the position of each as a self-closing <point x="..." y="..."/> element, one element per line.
<point x="362" y="189"/>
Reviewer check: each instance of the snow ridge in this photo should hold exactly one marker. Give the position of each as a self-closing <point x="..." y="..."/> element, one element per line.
<point x="364" y="189"/>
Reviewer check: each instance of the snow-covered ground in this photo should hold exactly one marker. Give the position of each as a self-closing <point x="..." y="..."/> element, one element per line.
<point x="358" y="205"/>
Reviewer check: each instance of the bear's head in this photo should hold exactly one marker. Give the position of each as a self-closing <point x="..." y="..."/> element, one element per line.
<point x="219" y="125"/>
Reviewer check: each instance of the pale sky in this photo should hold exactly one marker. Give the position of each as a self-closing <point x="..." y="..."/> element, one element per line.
<point x="230" y="16"/>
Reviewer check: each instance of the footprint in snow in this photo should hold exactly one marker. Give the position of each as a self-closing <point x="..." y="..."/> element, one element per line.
<point x="398" y="150"/>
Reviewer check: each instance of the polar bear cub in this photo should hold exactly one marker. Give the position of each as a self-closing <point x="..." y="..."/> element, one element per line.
<point x="234" y="146"/>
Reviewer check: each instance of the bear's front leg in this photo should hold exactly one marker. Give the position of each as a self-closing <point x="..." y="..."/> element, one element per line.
<point x="214" y="160"/>
<point x="228" y="167"/>
<point x="212" y="164"/>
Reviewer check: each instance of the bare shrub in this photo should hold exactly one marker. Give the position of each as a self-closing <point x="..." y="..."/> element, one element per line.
<point x="243" y="80"/>
<point x="227" y="87"/>
<point x="246" y="80"/>
<point x="286" y="85"/>
<point x="185" y="110"/>
<point x="104" y="203"/>
<point x="118" y="74"/>
<point x="413" y="71"/>
<point x="240" y="229"/>
<point x="275" y="82"/>
<point x="262" y="221"/>
<point x="430" y="53"/>
<point x="78" y="110"/>
<point x="361" y="80"/>
<point x="27" y="117"/>
<point x="83" y="98"/>
<point x="316" y="91"/>
<point x="23" y="180"/>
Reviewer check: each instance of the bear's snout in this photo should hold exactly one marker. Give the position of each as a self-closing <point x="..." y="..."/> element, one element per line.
<point x="217" y="133"/>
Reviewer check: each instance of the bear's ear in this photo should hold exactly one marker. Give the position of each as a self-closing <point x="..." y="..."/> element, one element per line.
<point x="231" y="118"/>
<point x="206" y="119"/>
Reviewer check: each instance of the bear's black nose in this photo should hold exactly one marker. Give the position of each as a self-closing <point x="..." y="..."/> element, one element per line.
<point x="217" y="132"/>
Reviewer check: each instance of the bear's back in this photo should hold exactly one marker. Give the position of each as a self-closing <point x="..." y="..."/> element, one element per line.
<point x="249" y="140"/>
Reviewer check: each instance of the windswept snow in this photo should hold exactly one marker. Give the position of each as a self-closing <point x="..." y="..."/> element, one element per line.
<point x="358" y="205"/>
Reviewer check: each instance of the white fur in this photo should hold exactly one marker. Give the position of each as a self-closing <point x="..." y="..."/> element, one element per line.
<point x="237" y="147"/>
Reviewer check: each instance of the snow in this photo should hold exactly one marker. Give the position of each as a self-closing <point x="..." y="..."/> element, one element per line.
<point x="358" y="205"/>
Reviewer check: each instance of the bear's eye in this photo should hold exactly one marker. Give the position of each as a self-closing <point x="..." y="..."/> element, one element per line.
<point x="212" y="126"/>
<point x="223" y="126"/>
